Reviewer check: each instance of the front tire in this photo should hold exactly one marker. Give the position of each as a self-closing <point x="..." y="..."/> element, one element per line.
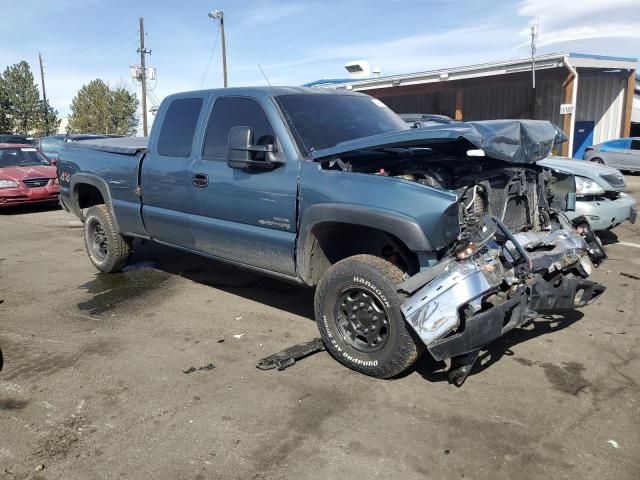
<point x="107" y="249"/>
<point x="357" y="309"/>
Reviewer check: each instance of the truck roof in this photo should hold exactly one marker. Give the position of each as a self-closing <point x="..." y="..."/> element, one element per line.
<point x="268" y="91"/>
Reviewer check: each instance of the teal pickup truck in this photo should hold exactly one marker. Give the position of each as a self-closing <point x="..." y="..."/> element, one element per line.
<point x="441" y="238"/>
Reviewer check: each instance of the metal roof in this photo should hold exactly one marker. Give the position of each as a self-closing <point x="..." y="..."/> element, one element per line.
<point x="543" y="62"/>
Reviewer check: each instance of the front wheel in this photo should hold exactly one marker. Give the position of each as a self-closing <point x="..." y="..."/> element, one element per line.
<point x="357" y="309"/>
<point x="107" y="249"/>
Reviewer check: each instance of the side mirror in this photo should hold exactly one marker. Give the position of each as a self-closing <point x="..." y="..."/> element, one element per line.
<point x="242" y="153"/>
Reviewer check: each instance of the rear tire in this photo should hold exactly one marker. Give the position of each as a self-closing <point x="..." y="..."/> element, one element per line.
<point x="107" y="249"/>
<point x="357" y="309"/>
<point x="597" y="160"/>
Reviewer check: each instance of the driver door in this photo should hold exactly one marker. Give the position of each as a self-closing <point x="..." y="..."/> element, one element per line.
<point x="246" y="216"/>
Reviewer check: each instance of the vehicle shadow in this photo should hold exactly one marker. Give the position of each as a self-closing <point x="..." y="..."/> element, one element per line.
<point x="607" y="237"/>
<point x="29" y="208"/>
<point x="435" y="371"/>
<point x="299" y="301"/>
<point x="272" y="292"/>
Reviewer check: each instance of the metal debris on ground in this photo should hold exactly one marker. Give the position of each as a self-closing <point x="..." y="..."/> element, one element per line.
<point x="288" y="356"/>
<point x="613" y="443"/>
<point x="207" y="367"/>
<point x="239" y="335"/>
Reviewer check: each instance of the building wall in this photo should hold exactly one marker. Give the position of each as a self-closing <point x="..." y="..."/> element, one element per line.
<point x="601" y="98"/>
<point x="506" y="96"/>
<point x="513" y="100"/>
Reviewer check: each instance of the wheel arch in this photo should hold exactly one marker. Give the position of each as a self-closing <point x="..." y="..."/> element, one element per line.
<point x="323" y="227"/>
<point x="88" y="190"/>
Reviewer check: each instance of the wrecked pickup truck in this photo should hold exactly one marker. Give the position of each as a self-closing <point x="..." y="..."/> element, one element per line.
<point x="442" y="238"/>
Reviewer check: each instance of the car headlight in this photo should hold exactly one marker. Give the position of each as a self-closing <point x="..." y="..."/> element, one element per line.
<point x="8" y="184"/>
<point x="586" y="186"/>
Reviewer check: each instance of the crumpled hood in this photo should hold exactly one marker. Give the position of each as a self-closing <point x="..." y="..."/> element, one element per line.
<point x="22" y="173"/>
<point x="512" y="141"/>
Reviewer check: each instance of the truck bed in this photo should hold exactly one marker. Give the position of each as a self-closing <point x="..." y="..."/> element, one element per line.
<point x="123" y="145"/>
<point x="111" y="164"/>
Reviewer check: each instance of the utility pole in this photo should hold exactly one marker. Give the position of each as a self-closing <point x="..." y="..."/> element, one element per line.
<point x="44" y="95"/>
<point x="44" y="92"/>
<point x="219" y="15"/>
<point x="143" y="77"/>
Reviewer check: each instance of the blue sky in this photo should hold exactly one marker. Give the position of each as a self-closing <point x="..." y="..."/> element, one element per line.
<point x="296" y="42"/>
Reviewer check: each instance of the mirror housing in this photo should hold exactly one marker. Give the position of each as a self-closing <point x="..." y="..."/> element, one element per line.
<point x="240" y="148"/>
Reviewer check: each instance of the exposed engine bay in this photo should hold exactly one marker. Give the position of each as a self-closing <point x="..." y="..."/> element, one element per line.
<point x="518" y="195"/>
<point x="517" y="255"/>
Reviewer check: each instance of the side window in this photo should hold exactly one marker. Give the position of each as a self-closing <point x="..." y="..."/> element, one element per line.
<point x="635" y="144"/>
<point x="618" y="144"/>
<point x="178" y="127"/>
<point x="235" y="112"/>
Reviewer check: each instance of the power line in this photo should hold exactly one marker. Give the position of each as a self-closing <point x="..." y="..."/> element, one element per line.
<point x="213" y="51"/>
<point x="114" y="57"/>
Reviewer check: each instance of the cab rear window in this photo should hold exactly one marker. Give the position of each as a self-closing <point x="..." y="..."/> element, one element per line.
<point x="178" y="127"/>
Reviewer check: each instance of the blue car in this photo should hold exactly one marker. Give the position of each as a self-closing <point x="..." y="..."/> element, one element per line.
<point x="622" y="153"/>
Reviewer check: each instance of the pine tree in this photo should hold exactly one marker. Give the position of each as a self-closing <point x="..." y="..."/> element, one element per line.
<point x="97" y="108"/>
<point x="21" y="109"/>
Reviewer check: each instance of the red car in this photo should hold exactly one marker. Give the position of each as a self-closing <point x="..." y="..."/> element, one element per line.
<point x="26" y="176"/>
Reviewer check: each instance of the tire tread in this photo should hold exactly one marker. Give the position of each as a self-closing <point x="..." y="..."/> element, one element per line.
<point x="409" y="348"/>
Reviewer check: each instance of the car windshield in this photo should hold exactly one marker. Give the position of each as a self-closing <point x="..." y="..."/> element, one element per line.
<point x="21" y="157"/>
<point x="51" y="144"/>
<point x="322" y="121"/>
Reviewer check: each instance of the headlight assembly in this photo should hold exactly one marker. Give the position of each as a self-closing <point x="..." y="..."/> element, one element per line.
<point x="586" y="186"/>
<point x="8" y="184"/>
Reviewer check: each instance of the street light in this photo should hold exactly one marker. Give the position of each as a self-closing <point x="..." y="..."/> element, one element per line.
<point x="219" y="15"/>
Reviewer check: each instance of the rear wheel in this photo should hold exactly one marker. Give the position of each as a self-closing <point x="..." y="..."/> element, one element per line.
<point x="597" y="160"/>
<point x="357" y="309"/>
<point x="107" y="249"/>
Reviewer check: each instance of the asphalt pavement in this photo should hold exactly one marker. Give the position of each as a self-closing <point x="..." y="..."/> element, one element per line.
<point x="93" y="384"/>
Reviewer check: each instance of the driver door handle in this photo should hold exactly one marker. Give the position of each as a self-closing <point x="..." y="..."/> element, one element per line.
<point x="200" y="180"/>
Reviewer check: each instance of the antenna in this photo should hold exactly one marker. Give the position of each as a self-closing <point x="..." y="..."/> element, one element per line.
<point x="264" y="74"/>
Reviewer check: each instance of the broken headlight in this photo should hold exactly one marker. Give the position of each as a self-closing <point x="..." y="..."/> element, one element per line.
<point x="586" y="186"/>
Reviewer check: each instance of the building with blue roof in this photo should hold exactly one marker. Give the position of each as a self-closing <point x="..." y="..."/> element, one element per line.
<point x="590" y="97"/>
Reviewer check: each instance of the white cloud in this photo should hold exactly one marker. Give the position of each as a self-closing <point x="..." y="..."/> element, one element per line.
<point x="575" y="21"/>
<point x="270" y="12"/>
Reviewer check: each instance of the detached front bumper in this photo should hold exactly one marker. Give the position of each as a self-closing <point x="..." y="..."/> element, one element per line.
<point x="469" y="303"/>
<point x="604" y="214"/>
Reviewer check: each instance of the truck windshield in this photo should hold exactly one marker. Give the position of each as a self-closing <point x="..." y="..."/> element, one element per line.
<point x="321" y="121"/>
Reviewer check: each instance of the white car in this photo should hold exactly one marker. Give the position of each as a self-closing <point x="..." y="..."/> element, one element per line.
<point x="599" y="192"/>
